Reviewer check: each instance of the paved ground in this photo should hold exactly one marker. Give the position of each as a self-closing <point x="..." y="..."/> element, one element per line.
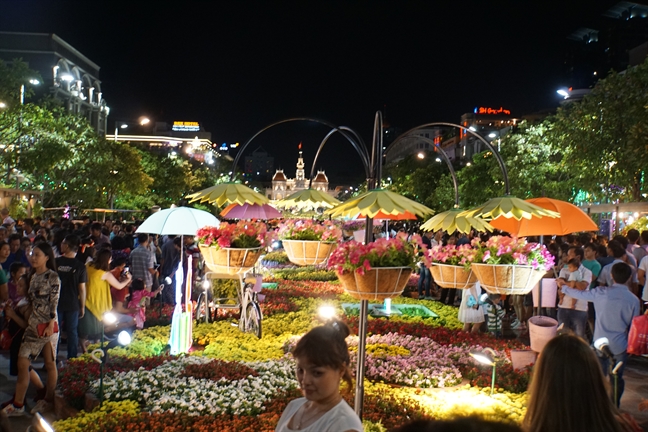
<point x="636" y="390"/>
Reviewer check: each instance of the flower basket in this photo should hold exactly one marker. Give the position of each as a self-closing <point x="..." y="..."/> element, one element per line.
<point x="507" y="278"/>
<point x="377" y="283"/>
<point x="451" y="276"/>
<point x="229" y="260"/>
<point x="308" y="252"/>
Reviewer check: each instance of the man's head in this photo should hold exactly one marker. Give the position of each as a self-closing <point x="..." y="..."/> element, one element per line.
<point x="3" y="233"/>
<point x="633" y="236"/>
<point x="590" y="251"/>
<point x="86" y="220"/>
<point x="4" y="212"/>
<point x="177" y="243"/>
<point x="575" y="252"/>
<point x="70" y="244"/>
<point x="643" y="238"/>
<point x="143" y="239"/>
<point x="615" y="249"/>
<point x="621" y="239"/>
<point x="14" y="242"/>
<point x="116" y="228"/>
<point x="621" y="273"/>
<point x="95" y="229"/>
<point x="429" y="234"/>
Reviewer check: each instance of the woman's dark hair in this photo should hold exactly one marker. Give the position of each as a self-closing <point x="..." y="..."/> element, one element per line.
<point x="47" y="250"/>
<point x="326" y="346"/>
<point x="102" y="260"/>
<point x="568" y="392"/>
<point x="119" y="243"/>
<point x="137" y="285"/>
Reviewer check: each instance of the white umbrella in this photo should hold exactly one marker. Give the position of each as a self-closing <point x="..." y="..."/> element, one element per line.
<point x="177" y="221"/>
<point x="182" y="221"/>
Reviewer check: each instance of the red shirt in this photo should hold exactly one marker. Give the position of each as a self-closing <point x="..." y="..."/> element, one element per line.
<point x="118" y="295"/>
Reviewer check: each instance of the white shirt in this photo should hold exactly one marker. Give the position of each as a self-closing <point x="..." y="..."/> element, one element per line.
<point x="585" y="275"/>
<point x="643" y="265"/>
<point x="338" y="419"/>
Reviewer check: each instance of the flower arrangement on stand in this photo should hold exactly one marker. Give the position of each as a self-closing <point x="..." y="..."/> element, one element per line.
<point x="377" y="270"/>
<point x="230" y="247"/>
<point x="307" y="241"/>
<point x="510" y="265"/>
<point x="450" y="265"/>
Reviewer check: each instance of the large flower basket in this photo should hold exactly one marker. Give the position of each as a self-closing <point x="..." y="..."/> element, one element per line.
<point x="378" y="283"/>
<point x="308" y="252"/>
<point x="451" y="276"/>
<point x="229" y="260"/>
<point x="506" y="278"/>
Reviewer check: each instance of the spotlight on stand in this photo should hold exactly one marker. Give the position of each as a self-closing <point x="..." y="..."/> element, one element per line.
<point x="603" y="345"/>
<point x="326" y="312"/>
<point x="488" y="357"/>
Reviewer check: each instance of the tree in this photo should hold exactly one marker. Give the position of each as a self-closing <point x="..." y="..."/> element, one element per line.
<point x="12" y="76"/>
<point x="607" y="133"/>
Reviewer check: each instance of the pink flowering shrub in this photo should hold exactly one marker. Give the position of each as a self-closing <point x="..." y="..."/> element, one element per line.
<point x="240" y="235"/>
<point x="308" y="229"/>
<point x="354" y="225"/>
<point x="395" y="252"/>
<point x="451" y="254"/>
<point x="513" y="250"/>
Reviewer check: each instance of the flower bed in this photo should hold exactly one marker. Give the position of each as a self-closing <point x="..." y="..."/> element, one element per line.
<point x="237" y="382"/>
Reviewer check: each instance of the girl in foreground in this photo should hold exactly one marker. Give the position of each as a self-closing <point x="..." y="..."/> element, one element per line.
<point x="322" y="357"/>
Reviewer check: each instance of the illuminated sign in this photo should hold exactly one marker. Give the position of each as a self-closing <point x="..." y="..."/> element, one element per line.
<point x="484" y="110"/>
<point x="183" y="126"/>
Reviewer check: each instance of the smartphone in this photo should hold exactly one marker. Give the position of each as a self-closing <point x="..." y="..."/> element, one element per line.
<point x="126" y="269"/>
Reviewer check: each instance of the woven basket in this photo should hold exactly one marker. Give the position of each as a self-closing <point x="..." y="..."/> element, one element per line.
<point x="230" y="260"/>
<point x="308" y="252"/>
<point x="451" y="276"/>
<point x="376" y="284"/>
<point x="506" y="279"/>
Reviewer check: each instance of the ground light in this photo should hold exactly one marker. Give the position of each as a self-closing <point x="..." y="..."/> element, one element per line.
<point x="326" y="313"/>
<point x="39" y="424"/>
<point x="487" y="357"/>
<point x="99" y="355"/>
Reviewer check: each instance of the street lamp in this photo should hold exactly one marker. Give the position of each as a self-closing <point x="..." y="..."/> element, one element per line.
<point x="421" y="155"/>
<point x="32" y="81"/>
<point x="3" y="105"/>
<point x="563" y="92"/>
<point x="487" y="357"/>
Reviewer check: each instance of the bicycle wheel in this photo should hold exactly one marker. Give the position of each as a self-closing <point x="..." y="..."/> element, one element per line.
<point x="253" y="319"/>
<point x="201" y="308"/>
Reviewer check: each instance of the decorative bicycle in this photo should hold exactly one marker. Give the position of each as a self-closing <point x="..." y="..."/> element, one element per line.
<point x="247" y="300"/>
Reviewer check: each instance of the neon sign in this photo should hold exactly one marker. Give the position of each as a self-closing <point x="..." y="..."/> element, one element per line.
<point x="185" y="126"/>
<point x="484" y="110"/>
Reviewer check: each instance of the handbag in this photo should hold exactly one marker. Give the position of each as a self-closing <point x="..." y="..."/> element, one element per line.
<point x="42" y="326"/>
<point x="638" y="336"/>
<point x="5" y="339"/>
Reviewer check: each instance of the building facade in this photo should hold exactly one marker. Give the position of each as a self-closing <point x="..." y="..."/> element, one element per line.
<point x="283" y="186"/>
<point x="69" y="76"/>
<point x="259" y="165"/>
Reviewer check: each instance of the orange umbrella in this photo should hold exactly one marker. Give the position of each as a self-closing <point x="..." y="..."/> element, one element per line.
<point x="571" y="220"/>
<point x="407" y="215"/>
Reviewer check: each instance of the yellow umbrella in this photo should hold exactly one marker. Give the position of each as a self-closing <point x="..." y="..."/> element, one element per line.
<point x="228" y="193"/>
<point x="509" y="207"/>
<point x="308" y="197"/>
<point x="379" y="201"/>
<point x="451" y="221"/>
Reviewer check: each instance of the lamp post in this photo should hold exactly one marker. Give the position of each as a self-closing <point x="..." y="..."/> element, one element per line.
<point x="32" y="81"/>
<point x="603" y="345"/>
<point x="143" y="121"/>
<point x="488" y="357"/>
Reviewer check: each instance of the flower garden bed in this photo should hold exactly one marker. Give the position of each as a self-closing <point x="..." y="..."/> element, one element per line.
<point x="416" y="368"/>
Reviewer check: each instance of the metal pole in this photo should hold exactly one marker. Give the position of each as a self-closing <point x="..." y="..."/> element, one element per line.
<point x="22" y="94"/>
<point x="493" y="380"/>
<point x="101" y="365"/>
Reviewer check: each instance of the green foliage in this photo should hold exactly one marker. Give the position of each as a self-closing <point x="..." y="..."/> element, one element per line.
<point x="225" y="288"/>
<point x="278" y="257"/>
<point x="12" y="76"/>
<point x="305" y="274"/>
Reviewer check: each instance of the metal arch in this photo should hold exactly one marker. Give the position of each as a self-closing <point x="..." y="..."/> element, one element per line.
<point x="446" y="158"/>
<point x="361" y="143"/>
<point x="500" y="161"/>
<point x="363" y="156"/>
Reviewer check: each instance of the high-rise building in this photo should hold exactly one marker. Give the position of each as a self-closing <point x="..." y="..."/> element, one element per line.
<point x="259" y="165"/>
<point x="68" y="75"/>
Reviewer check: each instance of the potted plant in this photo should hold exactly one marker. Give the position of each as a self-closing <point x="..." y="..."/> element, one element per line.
<point x="377" y="270"/>
<point x="232" y="248"/>
<point x="450" y="265"/>
<point x="510" y="265"/>
<point x="354" y="228"/>
<point x="307" y="241"/>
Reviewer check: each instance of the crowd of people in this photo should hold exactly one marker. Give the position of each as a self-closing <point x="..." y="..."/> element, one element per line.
<point x="63" y="277"/>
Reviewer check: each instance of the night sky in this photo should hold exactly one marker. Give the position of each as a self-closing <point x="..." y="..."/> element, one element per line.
<point x="237" y="66"/>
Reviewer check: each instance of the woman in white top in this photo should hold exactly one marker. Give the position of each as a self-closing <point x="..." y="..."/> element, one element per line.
<point x="322" y="357"/>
